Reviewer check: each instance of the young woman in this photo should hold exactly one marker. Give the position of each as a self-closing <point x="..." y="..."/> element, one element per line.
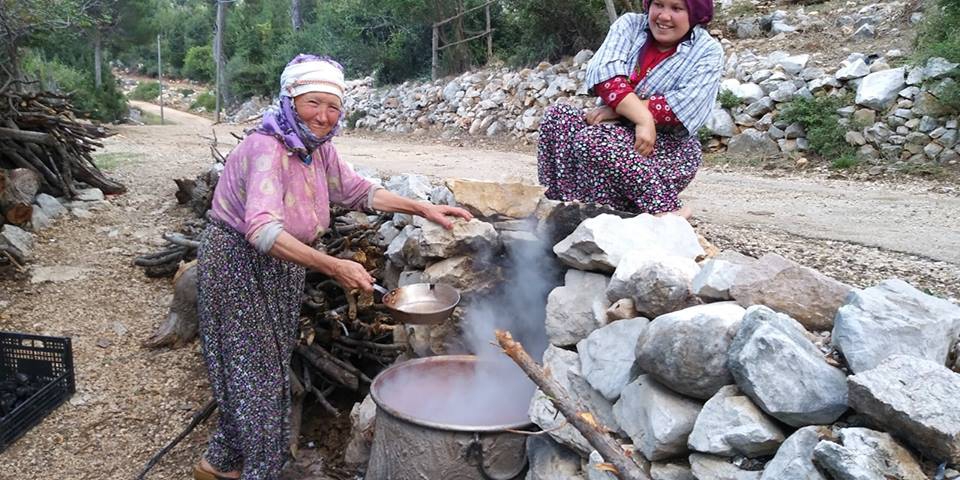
<point x="657" y="75"/>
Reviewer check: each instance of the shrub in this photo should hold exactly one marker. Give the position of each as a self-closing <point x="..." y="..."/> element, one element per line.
<point x="104" y="104"/>
<point x="939" y="36"/>
<point x="198" y="64"/>
<point x="844" y="161"/>
<point x="728" y="99"/>
<point x="206" y="101"/>
<point x="819" y="119"/>
<point x="147" y="91"/>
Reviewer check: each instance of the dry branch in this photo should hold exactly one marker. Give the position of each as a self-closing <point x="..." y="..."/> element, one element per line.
<point x="578" y="416"/>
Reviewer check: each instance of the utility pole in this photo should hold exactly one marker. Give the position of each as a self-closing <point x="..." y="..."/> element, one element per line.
<point x="160" y="78"/>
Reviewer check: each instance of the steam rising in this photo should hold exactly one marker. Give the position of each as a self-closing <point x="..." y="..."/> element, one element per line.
<point x="497" y="392"/>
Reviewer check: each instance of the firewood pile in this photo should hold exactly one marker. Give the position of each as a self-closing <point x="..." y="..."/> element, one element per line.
<point x="345" y="337"/>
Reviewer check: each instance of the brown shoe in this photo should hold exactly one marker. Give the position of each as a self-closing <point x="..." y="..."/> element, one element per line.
<point x="201" y="474"/>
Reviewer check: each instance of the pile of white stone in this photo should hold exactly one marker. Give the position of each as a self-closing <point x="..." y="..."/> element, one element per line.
<point x="712" y="366"/>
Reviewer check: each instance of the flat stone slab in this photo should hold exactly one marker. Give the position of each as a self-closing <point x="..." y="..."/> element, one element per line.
<point x="56" y="274"/>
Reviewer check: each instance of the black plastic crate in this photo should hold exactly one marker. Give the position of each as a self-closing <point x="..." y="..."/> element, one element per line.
<point x="49" y="358"/>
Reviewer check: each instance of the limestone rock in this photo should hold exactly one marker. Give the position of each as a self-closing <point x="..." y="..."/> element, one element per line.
<point x="878" y="90"/>
<point x="718" y="468"/>
<point x="549" y="460"/>
<point x="50" y="205"/>
<point x="600" y="243"/>
<point x="718" y="274"/>
<point x="916" y="400"/>
<point x="577" y="308"/>
<point x="803" y="293"/>
<point x="362" y="418"/>
<point x="18" y="240"/>
<point x="492" y="199"/>
<point x="465" y="236"/>
<point x="730" y="424"/>
<point x="465" y="273"/>
<point x="656" y="419"/>
<point x="794" y="458"/>
<point x="607" y="355"/>
<point x="656" y="283"/>
<point x="771" y="357"/>
<point x="864" y="454"/>
<point x="686" y="350"/>
<point x="894" y="318"/>
<point x="752" y="143"/>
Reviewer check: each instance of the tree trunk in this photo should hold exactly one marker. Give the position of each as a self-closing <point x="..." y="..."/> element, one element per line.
<point x="611" y="10"/>
<point x="295" y="15"/>
<point x="18" y="187"/>
<point x="97" y="59"/>
<point x="218" y="55"/>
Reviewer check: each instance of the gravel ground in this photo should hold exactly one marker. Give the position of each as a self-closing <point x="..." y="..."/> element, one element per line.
<point x="131" y="401"/>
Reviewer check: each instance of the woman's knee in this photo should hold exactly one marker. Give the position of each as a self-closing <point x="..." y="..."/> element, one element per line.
<point x="560" y="113"/>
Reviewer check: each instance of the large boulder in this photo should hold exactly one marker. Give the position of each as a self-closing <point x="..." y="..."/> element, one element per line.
<point x="577" y="308"/>
<point x="785" y="286"/>
<point x="866" y="454"/>
<point x="915" y="399"/>
<point x="465" y="237"/>
<point x="894" y="318"/>
<point x="494" y="199"/>
<point x="753" y="143"/>
<point x="600" y="243"/>
<point x="656" y="283"/>
<point x="686" y="350"/>
<point x="730" y="424"/>
<point x="607" y="356"/>
<point x="718" y="274"/>
<point x="656" y="419"/>
<point x="878" y="90"/>
<point x="465" y="273"/>
<point x="794" y="458"/>
<point x="557" y="220"/>
<point x="777" y="366"/>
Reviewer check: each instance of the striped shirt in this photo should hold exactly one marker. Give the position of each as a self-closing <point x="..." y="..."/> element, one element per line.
<point x="689" y="79"/>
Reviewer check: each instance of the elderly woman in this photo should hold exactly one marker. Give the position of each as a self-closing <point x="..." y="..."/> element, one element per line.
<point x="272" y="201"/>
<point x="657" y="76"/>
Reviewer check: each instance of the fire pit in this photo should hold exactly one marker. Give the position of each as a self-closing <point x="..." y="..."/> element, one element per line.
<point x="450" y="417"/>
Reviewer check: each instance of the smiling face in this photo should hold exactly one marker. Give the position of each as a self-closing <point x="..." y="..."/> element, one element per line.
<point x="319" y="111"/>
<point x="669" y="22"/>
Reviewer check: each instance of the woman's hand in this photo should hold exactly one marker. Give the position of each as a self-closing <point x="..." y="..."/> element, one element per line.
<point x="601" y="114"/>
<point x="438" y="214"/>
<point x="351" y="275"/>
<point x="646" y="138"/>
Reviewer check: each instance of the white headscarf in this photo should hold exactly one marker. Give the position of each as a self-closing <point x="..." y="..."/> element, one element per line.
<point x="312" y="76"/>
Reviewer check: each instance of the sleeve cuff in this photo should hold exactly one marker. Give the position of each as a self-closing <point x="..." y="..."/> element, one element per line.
<point x="370" y="194"/>
<point x="267" y="236"/>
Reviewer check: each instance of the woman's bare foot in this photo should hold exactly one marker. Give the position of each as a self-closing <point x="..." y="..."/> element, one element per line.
<point x="684" y="211"/>
<point x="206" y="467"/>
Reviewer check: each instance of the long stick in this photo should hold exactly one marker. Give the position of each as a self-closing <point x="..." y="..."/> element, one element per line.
<point x="198" y="418"/>
<point x="626" y="468"/>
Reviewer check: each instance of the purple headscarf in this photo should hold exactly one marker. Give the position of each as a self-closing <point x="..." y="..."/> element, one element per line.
<point x="700" y="11"/>
<point x="282" y="122"/>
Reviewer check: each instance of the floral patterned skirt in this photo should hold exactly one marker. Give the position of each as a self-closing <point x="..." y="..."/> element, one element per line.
<point x="599" y="164"/>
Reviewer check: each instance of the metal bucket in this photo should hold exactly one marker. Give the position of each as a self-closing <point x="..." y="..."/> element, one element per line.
<point x="414" y="440"/>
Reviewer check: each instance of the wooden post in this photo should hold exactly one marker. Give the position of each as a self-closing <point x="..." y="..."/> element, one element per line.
<point x="489" y="35"/>
<point x="160" y="77"/>
<point x="436" y="46"/>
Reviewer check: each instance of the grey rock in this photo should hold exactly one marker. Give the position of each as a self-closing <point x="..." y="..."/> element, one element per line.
<point x="710" y="467"/>
<point x="760" y="107"/>
<point x="721" y="123"/>
<point x="865" y="32"/>
<point x="656" y="283"/>
<point x="850" y="70"/>
<point x="867" y="454"/>
<point x="749" y="93"/>
<point x="803" y="293"/>
<point x="549" y="460"/>
<point x="18" y="239"/>
<point x="38" y="219"/>
<point x="751" y="144"/>
<point x="577" y="308"/>
<point x="894" y="318"/>
<point x="717" y="275"/>
<point x="771" y="356"/>
<point x="593" y="468"/>
<point x="386" y="234"/>
<point x="794" y="458"/>
<point x="57" y="274"/>
<point x="466" y="273"/>
<point x="878" y="90"/>
<point x="670" y="471"/>
<point x="655" y="418"/>
<point x="914" y="399"/>
<point x="607" y="355"/>
<point x="89" y="195"/>
<point x="417" y="187"/>
<point x="938" y="67"/>
<point x="466" y="236"/>
<point x="362" y="418"/>
<point x="410" y="277"/>
<point x="730" y="424"/>
<point x="685" y="350"/>
<point x="50" y="205"/>
<point x="582" y="57"/>
<point x="600" y="243"/>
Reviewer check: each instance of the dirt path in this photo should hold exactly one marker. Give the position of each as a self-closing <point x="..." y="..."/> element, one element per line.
<point x="131" y="401"/>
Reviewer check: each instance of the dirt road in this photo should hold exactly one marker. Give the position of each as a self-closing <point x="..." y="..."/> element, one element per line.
<point x="130" y="401"/>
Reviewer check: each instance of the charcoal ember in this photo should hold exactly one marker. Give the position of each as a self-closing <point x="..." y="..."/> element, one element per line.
<point x="16" y="390"/>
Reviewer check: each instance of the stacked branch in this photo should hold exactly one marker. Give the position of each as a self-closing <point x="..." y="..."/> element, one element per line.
<point x="39" y="132"/>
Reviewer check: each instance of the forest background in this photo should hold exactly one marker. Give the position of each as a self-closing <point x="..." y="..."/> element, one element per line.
<point x="73" y="45"/>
